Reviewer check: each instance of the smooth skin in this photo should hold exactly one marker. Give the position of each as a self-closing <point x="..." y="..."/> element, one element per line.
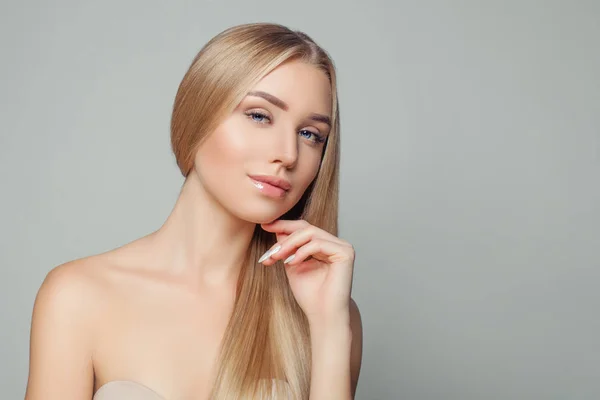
<point x="154" y="310"/>
<point x="319" y="269"/>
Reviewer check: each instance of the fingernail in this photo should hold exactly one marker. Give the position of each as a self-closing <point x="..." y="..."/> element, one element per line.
<point x="269" y="253"/>
<point x="290" y="258"/>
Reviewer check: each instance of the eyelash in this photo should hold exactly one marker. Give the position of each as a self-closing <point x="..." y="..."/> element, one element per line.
<point x="318" y="138"/>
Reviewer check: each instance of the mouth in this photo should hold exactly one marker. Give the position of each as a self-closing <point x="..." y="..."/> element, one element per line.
<point x="271" y="186"/>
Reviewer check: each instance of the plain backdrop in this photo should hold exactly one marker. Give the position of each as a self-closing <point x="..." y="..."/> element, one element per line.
<point x="470" y="181"/>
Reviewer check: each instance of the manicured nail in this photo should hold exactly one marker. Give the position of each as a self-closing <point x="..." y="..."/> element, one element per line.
<point x="269" y="253"/>
<point x="290" y="258"/>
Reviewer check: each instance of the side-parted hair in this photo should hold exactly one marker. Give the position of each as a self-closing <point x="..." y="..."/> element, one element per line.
<point x="265" y="350"/>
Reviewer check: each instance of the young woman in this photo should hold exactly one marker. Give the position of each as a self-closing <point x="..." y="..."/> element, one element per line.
<point x="244" y="291"/>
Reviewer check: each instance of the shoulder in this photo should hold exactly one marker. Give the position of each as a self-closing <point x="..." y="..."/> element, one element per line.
<point x="357" y="343"/>
<point x="79" y="287"/>
<point x="86" y="289"/>
<point x="74" y="295"/>
<point x="68" y="291"/>
<point x="74" y="279"/>
<point x="60" y="360"/>
<point x="88" y="278"/>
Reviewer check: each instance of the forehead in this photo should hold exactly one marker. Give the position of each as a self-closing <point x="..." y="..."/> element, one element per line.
<point x="304" y="87"/>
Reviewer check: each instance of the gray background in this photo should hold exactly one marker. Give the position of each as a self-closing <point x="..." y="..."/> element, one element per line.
<point x="470" y="173"/>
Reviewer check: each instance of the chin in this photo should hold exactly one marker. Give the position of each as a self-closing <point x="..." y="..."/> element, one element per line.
<point x="259" y="218"/>
<point x="258" y="213"/>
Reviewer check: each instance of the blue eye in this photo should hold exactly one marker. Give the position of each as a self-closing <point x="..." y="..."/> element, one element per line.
<point x="312" y="136"/>
<point x="261" y="118"/>
<point x="257" y="116"/>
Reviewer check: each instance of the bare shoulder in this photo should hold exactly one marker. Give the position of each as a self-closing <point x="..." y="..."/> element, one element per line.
<point x="70" y="288"/>
<point x="69" y="295"/>
<point x="78" y="287"/>
<point x="68" y="280"/>
<point x="60" y="359"/>
<point x="357" y="343"/>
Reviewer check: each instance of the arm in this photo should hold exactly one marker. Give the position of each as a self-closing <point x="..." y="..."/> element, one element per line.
<point x="336" y="356"/>
<point x="60" y="362"/>
<point x="319" y="270"/>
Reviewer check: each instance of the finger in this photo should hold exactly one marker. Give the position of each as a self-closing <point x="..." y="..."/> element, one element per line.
<point x="286" y="247"/>
<point x="293" y="242"/>
<point x="281" y="237"/>
<point x="285" y="226"/>
<point x="320" y="249"/>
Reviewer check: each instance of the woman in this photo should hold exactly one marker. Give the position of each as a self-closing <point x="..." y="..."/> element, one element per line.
<point x="244" y="291"/>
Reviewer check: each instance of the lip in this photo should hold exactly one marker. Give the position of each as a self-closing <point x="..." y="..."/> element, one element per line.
<point x="273" y="181"/>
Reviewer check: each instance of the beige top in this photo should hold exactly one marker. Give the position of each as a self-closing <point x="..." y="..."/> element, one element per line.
<point x="125" y="390"/>
<point x="129" y="390"/>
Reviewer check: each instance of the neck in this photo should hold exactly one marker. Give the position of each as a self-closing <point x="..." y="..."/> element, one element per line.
<point x="200" y="240"/>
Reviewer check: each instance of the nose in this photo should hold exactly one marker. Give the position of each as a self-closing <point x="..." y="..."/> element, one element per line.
<point x="285" y="148"/>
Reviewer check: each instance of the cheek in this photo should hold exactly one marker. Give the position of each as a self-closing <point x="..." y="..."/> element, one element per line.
<point x="224" y="151"/>
<point x="308" y="170"/>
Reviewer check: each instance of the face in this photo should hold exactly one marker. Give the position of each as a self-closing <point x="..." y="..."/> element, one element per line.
<point x="260" y="160"/>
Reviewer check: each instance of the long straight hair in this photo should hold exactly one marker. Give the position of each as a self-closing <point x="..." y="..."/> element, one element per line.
<point x="267" y="340"/>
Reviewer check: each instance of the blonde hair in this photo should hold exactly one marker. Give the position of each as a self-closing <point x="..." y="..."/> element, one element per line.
<point x="267" y="335"/>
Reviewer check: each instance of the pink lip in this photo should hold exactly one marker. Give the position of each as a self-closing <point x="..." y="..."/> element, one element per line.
<point x="270" y="186"/>
<point x="273" y="181"/>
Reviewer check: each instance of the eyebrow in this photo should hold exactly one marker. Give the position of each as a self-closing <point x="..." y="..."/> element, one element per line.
<point x="283" y="105"/>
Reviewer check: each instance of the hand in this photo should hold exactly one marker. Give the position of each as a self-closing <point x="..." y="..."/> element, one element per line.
<point x="319" y="267"/>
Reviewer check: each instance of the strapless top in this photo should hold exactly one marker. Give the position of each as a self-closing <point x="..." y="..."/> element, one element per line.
<point x="125" y="390"/>
<point x="129" y="390"/>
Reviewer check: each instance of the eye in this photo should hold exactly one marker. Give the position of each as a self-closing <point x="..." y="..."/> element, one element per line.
<point x="312" y="136"/>
<point x="257" y="116"/>
<point x="262" y="118"/>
